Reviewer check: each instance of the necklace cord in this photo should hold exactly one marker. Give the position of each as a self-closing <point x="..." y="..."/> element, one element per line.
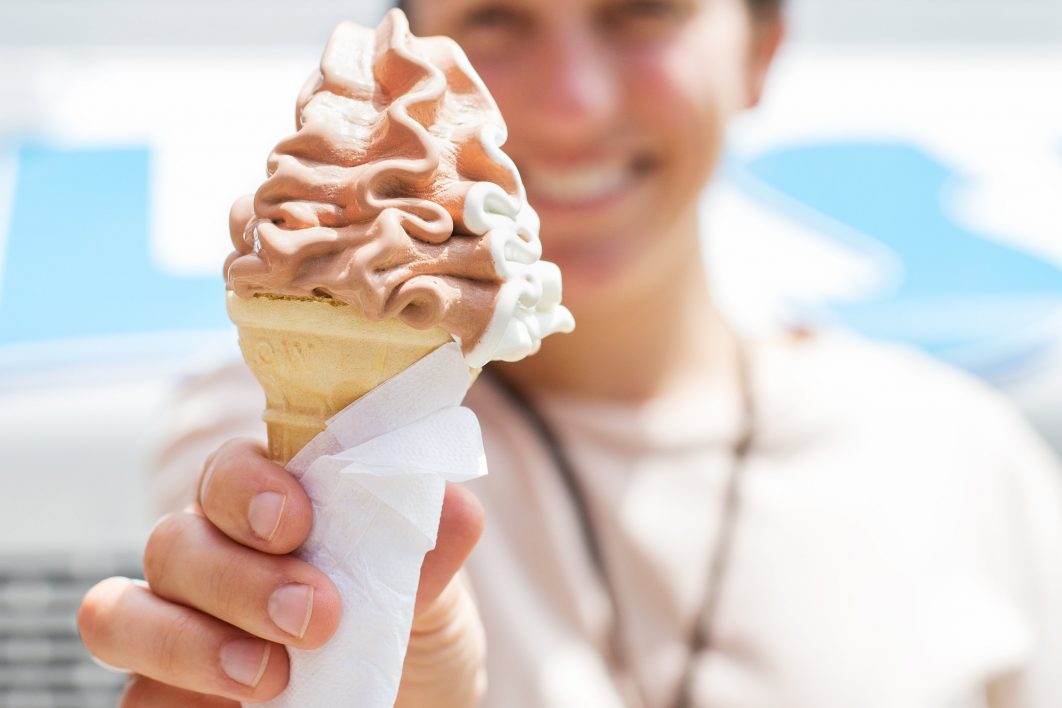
<point x="701" y="638"/>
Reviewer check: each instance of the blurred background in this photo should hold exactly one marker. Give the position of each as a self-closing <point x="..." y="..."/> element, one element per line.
<point x="903" y="179"/>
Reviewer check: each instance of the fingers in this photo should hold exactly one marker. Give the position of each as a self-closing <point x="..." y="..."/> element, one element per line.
<point x="126" y="625"/>
<point x="460" y="528"/>
<point x="258" y="504"/>
<point x="253" y="500"/>
<point x="142" y="692"/>
<point x="280" y="598"/>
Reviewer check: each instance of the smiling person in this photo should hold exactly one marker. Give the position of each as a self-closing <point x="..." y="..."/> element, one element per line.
<point x="677" y="516"/>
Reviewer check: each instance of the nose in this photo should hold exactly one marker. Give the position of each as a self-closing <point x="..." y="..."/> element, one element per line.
<point x="578" y="88"/>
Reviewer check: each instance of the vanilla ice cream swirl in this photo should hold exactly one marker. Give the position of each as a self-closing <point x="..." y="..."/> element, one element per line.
<point x="394" y="196"/>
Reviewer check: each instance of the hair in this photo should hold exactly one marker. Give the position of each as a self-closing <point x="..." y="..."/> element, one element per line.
<point x="766" y="8"/>
<point x="763" y="9"/>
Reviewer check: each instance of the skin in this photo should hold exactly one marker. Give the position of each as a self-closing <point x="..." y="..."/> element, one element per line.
<point x="637" y="90"/>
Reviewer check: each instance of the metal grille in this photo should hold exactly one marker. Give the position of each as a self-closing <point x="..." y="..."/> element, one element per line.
<point x="42" y="662"/>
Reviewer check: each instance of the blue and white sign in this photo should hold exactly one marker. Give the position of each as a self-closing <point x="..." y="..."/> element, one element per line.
<point x="909" y="197"/>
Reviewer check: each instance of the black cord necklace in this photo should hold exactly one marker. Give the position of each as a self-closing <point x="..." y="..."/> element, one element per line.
<point x="701" y="637"/>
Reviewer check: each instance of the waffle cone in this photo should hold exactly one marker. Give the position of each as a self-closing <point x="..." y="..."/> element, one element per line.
<point x="313" y="357"/>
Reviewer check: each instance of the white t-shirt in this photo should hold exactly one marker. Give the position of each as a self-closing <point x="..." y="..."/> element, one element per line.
<point x="899" y="541"/>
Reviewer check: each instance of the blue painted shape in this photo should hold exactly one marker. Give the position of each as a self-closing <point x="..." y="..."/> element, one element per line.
<point x="77" y="262"/>
<point x="958" y="290"/>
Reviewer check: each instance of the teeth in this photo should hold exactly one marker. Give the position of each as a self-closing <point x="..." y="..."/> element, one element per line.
<point x="578" y="185"/>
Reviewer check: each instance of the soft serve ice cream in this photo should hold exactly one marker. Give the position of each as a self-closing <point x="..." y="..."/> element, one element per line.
<point x="394" y="196"/>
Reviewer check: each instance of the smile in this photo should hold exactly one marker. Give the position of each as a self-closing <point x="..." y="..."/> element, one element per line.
<point x="580" y="187"/>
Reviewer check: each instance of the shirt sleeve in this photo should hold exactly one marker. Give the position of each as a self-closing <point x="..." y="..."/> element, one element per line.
<point x="218" y="403"/>
<point x="1031" y="485"/>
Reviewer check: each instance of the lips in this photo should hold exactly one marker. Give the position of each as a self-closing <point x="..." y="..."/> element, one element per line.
<point x="583" y="185"/>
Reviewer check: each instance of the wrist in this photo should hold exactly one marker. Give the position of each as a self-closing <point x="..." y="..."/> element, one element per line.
<point x="445" y="662"/>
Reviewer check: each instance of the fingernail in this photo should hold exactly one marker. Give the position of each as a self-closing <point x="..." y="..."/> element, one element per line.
<point x="264" y="514"/>
<point x="290" y="608"/>
<point x="245" y="660"/>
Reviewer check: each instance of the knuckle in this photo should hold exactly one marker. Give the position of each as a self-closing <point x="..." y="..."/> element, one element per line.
<point x="231" y="449"/>
<point x="172" y="642"/>
<point x="218" y="459"/>
<point x="165" y="538"/>
<point x="232" y="455"/>
<point x="227" y="586"/>
<point x="207" y="472"/>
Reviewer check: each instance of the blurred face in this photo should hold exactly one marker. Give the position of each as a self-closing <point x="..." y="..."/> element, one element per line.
<point x="616" y="112"/>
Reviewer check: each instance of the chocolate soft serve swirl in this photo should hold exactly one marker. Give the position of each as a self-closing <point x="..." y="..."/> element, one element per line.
<point x="394" y="197"/>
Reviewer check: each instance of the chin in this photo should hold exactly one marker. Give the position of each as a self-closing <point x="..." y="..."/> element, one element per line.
<point x="596" y="282"/>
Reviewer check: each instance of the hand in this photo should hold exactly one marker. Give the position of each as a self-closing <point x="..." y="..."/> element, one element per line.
<point x="224" y="597"/>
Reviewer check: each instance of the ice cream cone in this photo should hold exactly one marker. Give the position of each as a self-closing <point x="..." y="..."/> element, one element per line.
<point x="314" y="356"/>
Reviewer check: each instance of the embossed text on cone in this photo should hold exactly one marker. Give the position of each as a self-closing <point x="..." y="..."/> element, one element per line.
<point x="314" y="357"/>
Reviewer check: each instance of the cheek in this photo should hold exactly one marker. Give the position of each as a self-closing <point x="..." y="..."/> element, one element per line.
<point x="688" y="91"/>
<point x="508" y="85"/>
<point x="503" y="82"/>
<point x="683" y="116"/>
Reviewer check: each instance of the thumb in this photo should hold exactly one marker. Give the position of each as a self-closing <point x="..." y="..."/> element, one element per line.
<point x="460" y="527"/>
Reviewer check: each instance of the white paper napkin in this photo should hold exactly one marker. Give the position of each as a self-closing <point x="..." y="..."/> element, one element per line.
<point x="376" y="477"/>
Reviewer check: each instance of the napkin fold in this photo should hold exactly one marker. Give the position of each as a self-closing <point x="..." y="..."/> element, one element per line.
<point x="376" y="476"/>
